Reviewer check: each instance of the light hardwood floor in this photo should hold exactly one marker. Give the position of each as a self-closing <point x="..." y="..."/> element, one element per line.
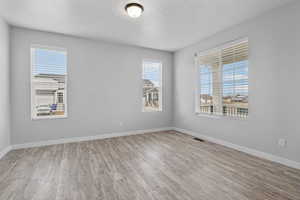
<point x="154" y="166"/>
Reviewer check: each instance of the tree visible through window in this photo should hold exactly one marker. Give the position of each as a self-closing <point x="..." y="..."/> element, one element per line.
<point x="152" y="90"/>
<point x="48" y="82"/>
<point x="223" y="81"/>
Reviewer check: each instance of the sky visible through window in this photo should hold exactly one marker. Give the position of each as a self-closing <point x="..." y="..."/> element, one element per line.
<point x="49" y="62"/>
<point x="206" y="80"/>
<point x="152" y="72"/>
<point x="235" y="79"/>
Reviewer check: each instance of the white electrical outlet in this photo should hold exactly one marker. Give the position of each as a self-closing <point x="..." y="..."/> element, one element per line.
<point x="282" y="142"/>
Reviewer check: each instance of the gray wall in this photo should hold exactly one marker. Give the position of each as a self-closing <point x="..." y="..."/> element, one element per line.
<point x="274" y="73"/>
<point x="104" y="88"/>
<point x="4" y="86"/>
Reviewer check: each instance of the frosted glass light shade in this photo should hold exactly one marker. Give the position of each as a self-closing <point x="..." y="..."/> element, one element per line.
<point x="134" y="10"/>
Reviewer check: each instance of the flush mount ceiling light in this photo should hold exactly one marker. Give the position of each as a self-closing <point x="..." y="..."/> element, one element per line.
<point x="134" y="10"/>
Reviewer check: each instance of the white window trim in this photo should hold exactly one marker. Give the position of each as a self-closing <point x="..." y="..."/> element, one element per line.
<point x="161" y="100"/>
<point x="197" y="103"/>
<point x="52" y="48"/>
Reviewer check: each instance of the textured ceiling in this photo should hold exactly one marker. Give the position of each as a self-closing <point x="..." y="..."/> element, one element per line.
<point x="165" y="24"/>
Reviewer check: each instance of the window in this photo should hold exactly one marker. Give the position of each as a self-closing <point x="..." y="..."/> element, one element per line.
<point x="48" y="82"/>
<point x="152" y="86"/>
<point x="222" y="87"/>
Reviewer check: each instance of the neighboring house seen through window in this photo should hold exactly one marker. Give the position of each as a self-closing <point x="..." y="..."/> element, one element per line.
<point x="48" y="82"/>
<point x="222" y="87"/>
<point x="152" y="86"/>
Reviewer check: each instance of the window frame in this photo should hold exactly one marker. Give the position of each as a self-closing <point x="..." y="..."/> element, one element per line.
<point x="197" y="80"/>
<point x="32" y="54"/>
<point x="161" y="106"/>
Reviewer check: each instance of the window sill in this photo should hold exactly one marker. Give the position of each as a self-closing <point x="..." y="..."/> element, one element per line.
<point x="211" y="116"/>
<point x="152" y="111"/>
<point x="49" y="117"/>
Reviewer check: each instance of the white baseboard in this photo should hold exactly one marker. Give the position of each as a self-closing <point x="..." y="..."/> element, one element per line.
<point x="247" y="150"/>
<point x="5" y="151"/>
<point x="87" y="138"/>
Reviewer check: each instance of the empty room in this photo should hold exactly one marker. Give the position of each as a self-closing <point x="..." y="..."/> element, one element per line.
<point x="149" y="100"/>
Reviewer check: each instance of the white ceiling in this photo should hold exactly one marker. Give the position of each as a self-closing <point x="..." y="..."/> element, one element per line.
<point x="165" y="24"/>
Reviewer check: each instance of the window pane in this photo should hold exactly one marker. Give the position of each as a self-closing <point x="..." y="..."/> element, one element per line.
<point x="49" y="62"/>
<point x="235" y="89"/>
<point x="206" y="89"/>
<point x="49" y="69"/>
<point x="152" y="86"/>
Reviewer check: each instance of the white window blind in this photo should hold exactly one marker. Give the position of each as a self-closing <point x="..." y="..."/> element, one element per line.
<point x="48" y="82"/>
<point x="152" y="86"/>
<point x="223" y="81"/>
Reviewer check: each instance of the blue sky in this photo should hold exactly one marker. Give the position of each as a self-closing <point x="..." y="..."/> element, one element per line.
<point x="49" y="62"/>
<point x="152" y="72"/>
<point x="235" y="79"/>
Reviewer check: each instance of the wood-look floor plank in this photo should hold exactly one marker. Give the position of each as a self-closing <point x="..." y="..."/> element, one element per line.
<point x="156" y="166"/>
